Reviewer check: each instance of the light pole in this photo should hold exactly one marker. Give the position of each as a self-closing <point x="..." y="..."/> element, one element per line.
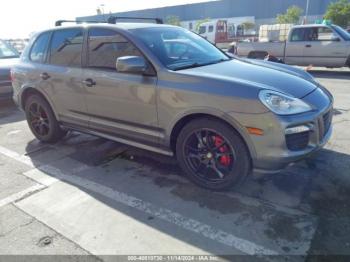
<point x="307" y="11"/>
<point x="102" y="8"/>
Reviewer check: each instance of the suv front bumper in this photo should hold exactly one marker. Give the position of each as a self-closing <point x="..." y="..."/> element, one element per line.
<point x="273" y="151"/>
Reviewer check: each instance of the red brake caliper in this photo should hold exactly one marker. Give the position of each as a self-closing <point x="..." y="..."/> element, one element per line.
<point x="226" y="159"/>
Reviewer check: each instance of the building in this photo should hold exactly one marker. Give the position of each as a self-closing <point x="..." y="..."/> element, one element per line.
<point x="257" y="11"/>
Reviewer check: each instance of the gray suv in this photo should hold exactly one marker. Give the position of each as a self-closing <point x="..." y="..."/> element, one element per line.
<point x="165" y="89"/>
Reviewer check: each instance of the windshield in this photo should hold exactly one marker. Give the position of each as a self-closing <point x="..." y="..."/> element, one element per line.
<point x="178" y="48"/>
<point x="6" y="51"/>
<point x="345" y="35"/>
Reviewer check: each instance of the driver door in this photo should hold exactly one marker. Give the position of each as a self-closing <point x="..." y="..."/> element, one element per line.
<point x="120" y="104"/>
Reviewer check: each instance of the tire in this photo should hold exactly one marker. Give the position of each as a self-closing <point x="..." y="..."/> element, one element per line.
<point x="237" y="162"/>
<point x="42" y="121"/>
<point x="260" y="55"/>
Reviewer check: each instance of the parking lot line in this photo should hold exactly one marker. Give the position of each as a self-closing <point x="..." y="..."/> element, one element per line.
<point x="17" y="196"/>
<point x="195" y="226"/>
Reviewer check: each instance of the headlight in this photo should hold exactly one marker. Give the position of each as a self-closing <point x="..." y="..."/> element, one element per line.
<point x="282" y="104"/>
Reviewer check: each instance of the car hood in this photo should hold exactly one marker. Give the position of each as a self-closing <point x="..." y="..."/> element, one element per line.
<point x="259" y="74"/>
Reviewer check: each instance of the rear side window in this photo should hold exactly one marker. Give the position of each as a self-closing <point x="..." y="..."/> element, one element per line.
<point x="105" y="46"/>
<point x="66" y="47"/>
<point x="298" y="34"/>
<point x="38" y="51"/>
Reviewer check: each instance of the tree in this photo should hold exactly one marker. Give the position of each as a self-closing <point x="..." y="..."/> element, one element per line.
<point x="200" y="22"/>
<point x="339" y="13"/>
<point x="292" y="16"/>
<point x="173" y="20"/>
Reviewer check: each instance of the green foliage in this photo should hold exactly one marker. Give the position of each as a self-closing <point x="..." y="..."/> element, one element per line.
<point x="339" y="13"/>
<point x="292" y="16"/>
<point x="173" y="20"/>
<point x="200" y="22"/>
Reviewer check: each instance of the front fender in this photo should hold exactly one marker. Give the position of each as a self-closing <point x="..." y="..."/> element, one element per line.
<point x="206" y="111"/>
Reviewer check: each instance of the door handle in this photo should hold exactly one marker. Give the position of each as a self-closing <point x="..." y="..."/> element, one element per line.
<point x="89" y="82"/>
<point x="308" y="46"/>
<point x="44" y="76"/>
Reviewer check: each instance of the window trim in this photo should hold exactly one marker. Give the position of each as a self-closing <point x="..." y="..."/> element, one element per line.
<point x="86" y="63"/>
<point x="46" y="51"/>
<point x="82" y="49"/>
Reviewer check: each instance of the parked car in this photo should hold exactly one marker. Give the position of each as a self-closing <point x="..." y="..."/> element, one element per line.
<point x="317" y="45"/>
<point x="221" y="117"/>
<point x="8" y="57"/>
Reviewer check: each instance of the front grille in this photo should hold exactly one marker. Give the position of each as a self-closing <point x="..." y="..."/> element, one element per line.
<point x="299" y="141"/>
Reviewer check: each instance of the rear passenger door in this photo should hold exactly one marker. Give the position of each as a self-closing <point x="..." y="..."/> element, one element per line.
<point x="63" y="76"/>
<point x="121" y="104"/>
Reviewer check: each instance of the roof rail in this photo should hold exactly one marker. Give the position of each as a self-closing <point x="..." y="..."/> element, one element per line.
<point x="113" y="19"/>
<point x="60" y="22"/>
<point x="110" y="20"/>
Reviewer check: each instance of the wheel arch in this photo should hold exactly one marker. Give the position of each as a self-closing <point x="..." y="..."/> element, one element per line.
<point x="28" y="91"/>
<point x="184" y="119"/>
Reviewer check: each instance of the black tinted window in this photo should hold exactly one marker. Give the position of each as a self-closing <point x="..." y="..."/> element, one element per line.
<point x="105" y="46"/>
<point x="298" y="35"/>
<point x="66" y="47"/>
<point x="37" y="54"/>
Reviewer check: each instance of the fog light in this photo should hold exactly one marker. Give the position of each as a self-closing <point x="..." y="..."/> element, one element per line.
<point x="298" y="129"/>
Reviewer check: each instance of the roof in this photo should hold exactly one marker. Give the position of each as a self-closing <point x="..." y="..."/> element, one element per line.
<point x="125" y="26"/>
<point x="310" y="25"/>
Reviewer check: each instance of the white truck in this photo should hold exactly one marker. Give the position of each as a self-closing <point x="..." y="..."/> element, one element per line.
<point x="317" y="45"/>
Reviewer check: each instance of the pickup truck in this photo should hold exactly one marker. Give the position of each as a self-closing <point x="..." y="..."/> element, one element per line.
<point x="316" y="44"/>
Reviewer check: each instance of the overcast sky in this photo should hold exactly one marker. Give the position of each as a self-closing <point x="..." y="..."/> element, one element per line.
<point x="21" y="17"/>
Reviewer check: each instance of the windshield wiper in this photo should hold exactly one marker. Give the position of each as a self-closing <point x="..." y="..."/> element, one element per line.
<point x="194" y="65"/>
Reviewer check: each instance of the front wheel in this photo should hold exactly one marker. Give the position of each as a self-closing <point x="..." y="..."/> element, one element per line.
<point x="42" y="121"/>
<point x="212" y="154"/>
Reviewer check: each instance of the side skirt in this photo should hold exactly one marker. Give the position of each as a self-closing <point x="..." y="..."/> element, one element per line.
<point x="120" y="140"/>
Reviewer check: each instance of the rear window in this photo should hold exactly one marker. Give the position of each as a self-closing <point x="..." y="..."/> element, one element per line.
<point x="298" y="35"/>
<point x="38" y="51"/>
<point x="66" y="47"/>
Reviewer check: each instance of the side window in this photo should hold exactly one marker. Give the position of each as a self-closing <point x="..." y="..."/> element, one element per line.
<point x="211" y="29"/>
<point x="38" y="51"/>
<point x="325" y="34"/>
<point x="105" y="46"/>
<point x="297" y="35"/>
<point x="202" y="30"/>
<point x="66" y="47"/>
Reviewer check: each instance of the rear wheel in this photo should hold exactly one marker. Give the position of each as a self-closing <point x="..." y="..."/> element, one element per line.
<point x="212" y="154"/>
<point x="42" y="121"/>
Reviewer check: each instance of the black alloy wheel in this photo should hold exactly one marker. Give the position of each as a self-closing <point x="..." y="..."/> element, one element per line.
<point x="212" y="154"/>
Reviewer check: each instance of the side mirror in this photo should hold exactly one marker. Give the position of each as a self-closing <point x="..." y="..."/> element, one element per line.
<point x="131" y="64"/>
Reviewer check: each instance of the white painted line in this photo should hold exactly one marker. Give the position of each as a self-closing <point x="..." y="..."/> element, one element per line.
<point x="14" y="155"/>
<point x="17" y="196"/>
<point x="189" y="224"/>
